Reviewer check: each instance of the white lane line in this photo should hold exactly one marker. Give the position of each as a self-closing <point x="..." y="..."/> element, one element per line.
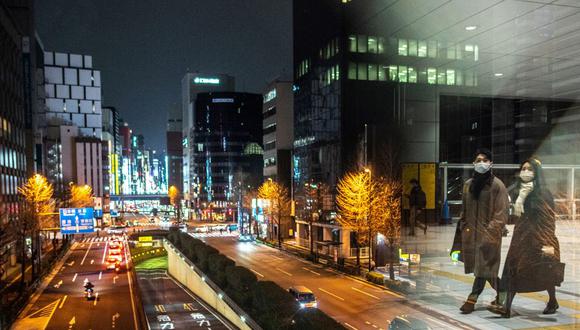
<point x="127" y="261"/>
<point x="100" y="275"/>
<point x="350" y="326"/>
<point x="62" y="302"/>
<point x="374" y="326"/>
<point x="92" y="261"/>
<point x="86" y="253"/>
<point x="313" y="272"/>
<point x="332" y="294"/>
<point x="284" y="272"/>
<point x="75" y="277"/>
<point x="96" y="299"/>
<point x="104" y="254"/>
<point x="368" y="294"/>
<point x="374" y="287"/>
<point x="255" y="272"/>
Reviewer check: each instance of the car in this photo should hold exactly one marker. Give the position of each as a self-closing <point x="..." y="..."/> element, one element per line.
<point x="246" y="238"/>
<point x="115" y="244"/>
<point x="111" y="262"/>
<point x="116" y="254"/>
<point x="304" y="296"/>
<point x="116" y="230"/>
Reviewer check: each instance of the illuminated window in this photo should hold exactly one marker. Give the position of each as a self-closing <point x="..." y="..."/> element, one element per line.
<point x="372" y="44"/>
<point x="458" y="52"/>
<point x="432" y="49"/>
<point x="450" y="77"/>
<point x="362" y="43"/>
<point x="432" y="76"/>
<point x="351" y="70"/>
<point x="381" y="73"/>
<point x="412" y="75"/>
<point x="373" y="72"/>
<point x="352" y="43"/>
<point x="441" y="77"/>
<point x="422" y="49"/>
<point x="476" y="53"/>
<point x="412" y="47"/>
<point x="362" y="72"/>
<point x="381" y="45"/>
<point x="402" y="73"/>
<point x="403" y="48"/>
<point x="422" y="76"/>
<point x="393" y="72"/>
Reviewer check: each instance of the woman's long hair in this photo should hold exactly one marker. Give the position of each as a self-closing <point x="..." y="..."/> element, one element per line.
<point x="539" y="179"/>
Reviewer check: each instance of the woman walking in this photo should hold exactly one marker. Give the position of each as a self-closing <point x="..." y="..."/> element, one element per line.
<point x="533" y="260"/>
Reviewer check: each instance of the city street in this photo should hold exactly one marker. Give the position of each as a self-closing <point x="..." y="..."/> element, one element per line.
<point x="355" y="304"/>
<point x="168" y="305"/>
<point x="62" y="305"/>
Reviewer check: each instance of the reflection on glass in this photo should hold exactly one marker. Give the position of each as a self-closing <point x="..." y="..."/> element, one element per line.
<point x="450" y="77"/>
<point x="412" y="47"/>
<point x="432" y="76"/>
<point x="372" y="45"/>
<point x="381" y="45"/>
<point x="422" y="51"/>
<point x="381" y="73"/>
<point x="351" y="70"/>
<point x="362" y="43"/>
<point x="412" y="75"/>
<point x="403" y="49"/>
<point x="402" y="73"/>
<point x="393" y="72"/>
<point x="372" y="72"/>
<point x="362" y="72"/>
<point x="352" y="43"/>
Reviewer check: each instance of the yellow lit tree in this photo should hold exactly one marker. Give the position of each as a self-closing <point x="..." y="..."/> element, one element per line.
<point x="278" y="205"/>
<point x="386" y="215"/>
<point x="175" y="200"/>
<point x="80" y="196"/>
<point x="354" y="205"/>
<point x="35" y="213"/>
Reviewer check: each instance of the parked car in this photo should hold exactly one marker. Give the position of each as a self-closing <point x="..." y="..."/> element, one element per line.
<point x="304" y="296"/>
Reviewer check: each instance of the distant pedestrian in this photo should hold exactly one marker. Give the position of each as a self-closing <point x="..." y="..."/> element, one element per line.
<point x="533" y="259"/>
<point x="417" y="202"/>
<point x="484" y="213"/>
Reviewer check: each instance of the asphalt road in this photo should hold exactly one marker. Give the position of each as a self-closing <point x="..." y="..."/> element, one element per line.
<point x="62" y="304"/>
<point x="169" y="306"/>
<point x="354" y="303"/>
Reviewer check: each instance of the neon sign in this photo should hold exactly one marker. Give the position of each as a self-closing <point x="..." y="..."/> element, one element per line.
<point x="211" y="81"/>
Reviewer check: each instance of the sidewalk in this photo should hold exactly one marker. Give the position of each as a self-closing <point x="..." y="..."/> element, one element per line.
<point x="442" y="285"/>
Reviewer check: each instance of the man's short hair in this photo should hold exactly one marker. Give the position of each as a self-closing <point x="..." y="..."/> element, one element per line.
<point x="484" y="151"/>
<point x="413" y="181"/>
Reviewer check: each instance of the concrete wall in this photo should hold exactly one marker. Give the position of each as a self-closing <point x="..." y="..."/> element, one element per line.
<point x="181" y="269"/>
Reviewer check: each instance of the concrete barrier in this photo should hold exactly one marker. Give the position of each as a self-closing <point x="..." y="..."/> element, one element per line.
<point x="184" y="271"/>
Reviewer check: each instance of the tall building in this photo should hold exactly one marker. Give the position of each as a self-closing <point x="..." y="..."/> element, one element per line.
<point x="112" y="141"/>
<point x="226" y="150"/>
<point x="174" y="147"/>
<point x="73" y="98"/>
<point x="191" y="85"/>
<point x="88" y="156"/>
<point x="278" y="130"/>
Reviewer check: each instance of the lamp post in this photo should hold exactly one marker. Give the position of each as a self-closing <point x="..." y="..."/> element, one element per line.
<point x="368" y="170"/>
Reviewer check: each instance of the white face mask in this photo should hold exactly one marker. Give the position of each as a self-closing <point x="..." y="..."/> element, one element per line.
<point x="482" y="167"/>
<point x="526" y="175"/>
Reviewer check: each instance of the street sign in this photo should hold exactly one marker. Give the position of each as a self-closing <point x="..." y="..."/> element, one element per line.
<point x="77" y="221"/>
<point x="98" y="213"/>
<point x="114" y="213"/>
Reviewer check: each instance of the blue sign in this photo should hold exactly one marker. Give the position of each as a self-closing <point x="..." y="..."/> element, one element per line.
<point x="77" y="221"/>
<point x="114" y="213"/>
<point x="98" y="213"/>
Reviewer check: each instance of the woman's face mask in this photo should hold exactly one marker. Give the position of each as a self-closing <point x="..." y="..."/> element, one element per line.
<point x="526" y="175"/>
<point x="482" y="167"/>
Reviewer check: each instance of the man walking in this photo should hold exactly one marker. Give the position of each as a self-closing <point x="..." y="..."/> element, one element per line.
<point x="417" y="201"/>
<point x="484" y="214"/>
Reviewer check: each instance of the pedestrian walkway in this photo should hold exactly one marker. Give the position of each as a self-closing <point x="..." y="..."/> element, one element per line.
<point x="94" y="239"/>
<point x="441" y="284"/>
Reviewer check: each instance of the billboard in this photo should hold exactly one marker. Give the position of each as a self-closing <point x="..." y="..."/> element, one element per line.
<point x="77" y="221"/>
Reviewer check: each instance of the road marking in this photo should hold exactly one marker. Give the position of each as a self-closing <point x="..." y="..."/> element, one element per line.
<point x="374" y="287"/>
<point x="374" y="326"/>
<point x="87" y="253"/>
<point x="62" y="301"/>
<point x="70" y="264"/>
<point x="350" y="326"/>
<point x="92" y="261"/>
<point x="72" y="322"/>
<point x="75" y="277"/>
<point x="255" y="272"/>
<point x="104" y="254"/>
<point x="96" y="299"/>
<point x="128" y="261"/>
<point x="330" y="293"/>
<point x="57" y="285"/>
<point x="115" y="279"/>
<point x="313" y="272"/>
<point x="100" y="275"/>
<point x="273" y="256"/>
<point x="367" y="322"/>
<point x="368" y="294"/>
<point x="188" y="307"/>
<point x="160" y="308"/>
<point x="282" y="271"/>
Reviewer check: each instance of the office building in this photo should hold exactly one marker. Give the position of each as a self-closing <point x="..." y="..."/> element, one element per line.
<point x="226" y="151"/>
<point x="191" y="85"/>
<point x="278" y="130"/>
<point x="174" y="147"/>
<point x="111" y="150"/>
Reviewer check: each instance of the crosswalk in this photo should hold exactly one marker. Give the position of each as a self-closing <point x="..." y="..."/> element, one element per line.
<point x="214" y="234"/>
<point x="95" y="239"/>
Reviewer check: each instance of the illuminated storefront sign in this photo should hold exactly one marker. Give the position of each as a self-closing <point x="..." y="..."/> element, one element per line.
<point x="211" y="81"/>
<point x="222" y="100"/>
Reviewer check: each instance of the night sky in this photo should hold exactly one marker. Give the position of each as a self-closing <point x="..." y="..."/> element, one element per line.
<point x="143" y="48"/>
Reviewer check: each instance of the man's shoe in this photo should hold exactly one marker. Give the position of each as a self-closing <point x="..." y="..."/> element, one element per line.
<point x="500" y="310"/>
<point x="551" y="308"/>
<point x="467" y="307"/>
